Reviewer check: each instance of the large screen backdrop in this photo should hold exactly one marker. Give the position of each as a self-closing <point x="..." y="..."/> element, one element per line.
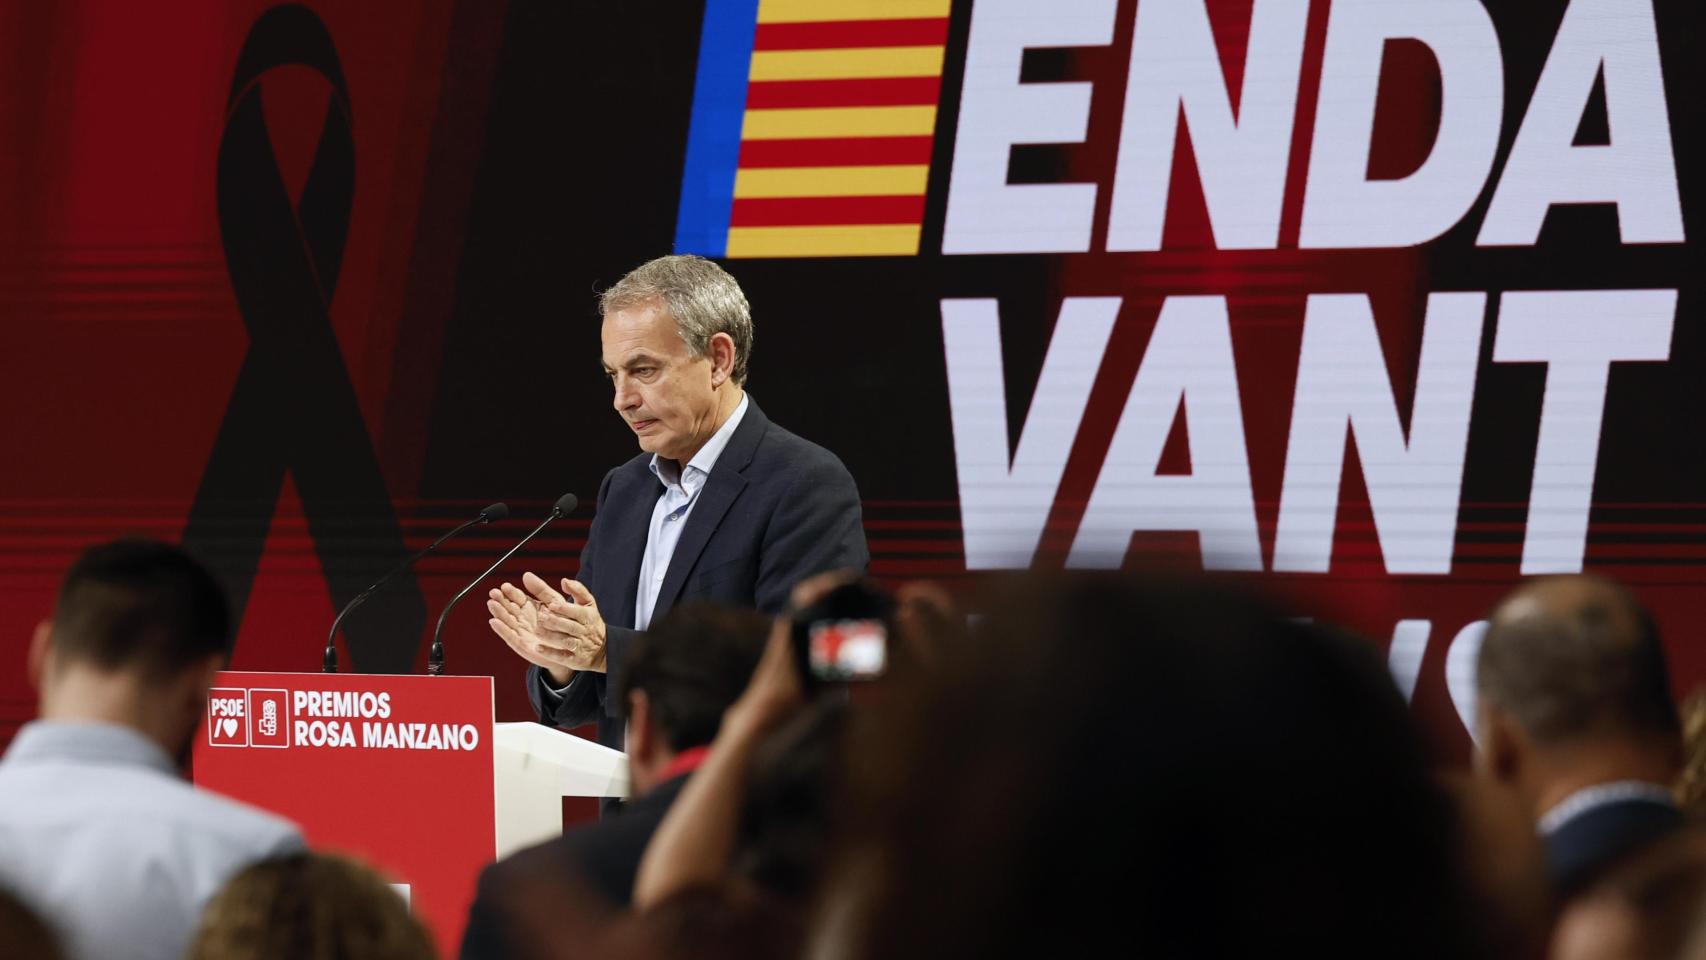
<point x="1382" y="306"/>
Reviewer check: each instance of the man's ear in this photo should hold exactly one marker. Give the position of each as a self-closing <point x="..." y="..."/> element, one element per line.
<point x="1503" y="744"/>
<point x="722" y="355"/>
<point x="41" y="653"/>
<point x="194" y="684"/>
<point x="642" y="737"/>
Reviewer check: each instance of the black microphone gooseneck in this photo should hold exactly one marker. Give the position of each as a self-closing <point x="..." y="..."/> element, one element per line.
<point x="329" y="662"/>
<point x="435" y="657"/>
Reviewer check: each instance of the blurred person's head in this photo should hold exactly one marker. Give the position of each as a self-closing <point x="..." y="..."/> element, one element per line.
<point x="1651" y="906"/>
<point x="681" y="675"/>
<point x="1691" y="784"/>
<point x="24" y="933"/>
<point x="1505" y="864"/>
<point x="138" y="632"/>
<point x="309" y="906"/>
<point x="1573" y="690"/>
<point x="1079" y="775"/>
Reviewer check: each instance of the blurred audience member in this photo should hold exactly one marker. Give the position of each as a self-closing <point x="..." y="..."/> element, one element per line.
<point x="1648" y="907"/>
<point x="1077" y="780"/>
<point x="683" y="887"/>
<point x="1576" y="716"/>
<point x="697" y="843"/>
<point x="309" y="906"/>
<point x="1506" y="865"/>
<point x="25" y="935"/>
<point x="97" y="829"/>
<point x="736" y="862"/>
<point x="1691" y="785"/>
<point x="680" y="676"/>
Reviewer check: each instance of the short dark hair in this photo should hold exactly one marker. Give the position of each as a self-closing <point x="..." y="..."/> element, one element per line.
<point x="1587" y="660"/>
<point x="693" y="662"/>
<point x="140" y="604"/>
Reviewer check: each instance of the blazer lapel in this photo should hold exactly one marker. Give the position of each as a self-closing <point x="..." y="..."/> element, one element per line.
<point x="631" y="526"/>
<point x="725" y="484"/>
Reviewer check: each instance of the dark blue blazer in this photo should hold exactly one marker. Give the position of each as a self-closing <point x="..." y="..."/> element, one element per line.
<point x="603" y="857"/>
<point x="1586" y="846"/>
<point x="775" y="510"/>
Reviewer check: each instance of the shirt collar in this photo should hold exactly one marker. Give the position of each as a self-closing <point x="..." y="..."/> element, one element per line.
<point x="708" y="454"/>
<point x="685" y="762"/>
<point x="107" y="743"/>
<point x="1601" y="795"/>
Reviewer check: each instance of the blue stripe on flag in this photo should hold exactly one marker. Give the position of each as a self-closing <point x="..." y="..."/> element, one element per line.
<point x="713" y="137"/>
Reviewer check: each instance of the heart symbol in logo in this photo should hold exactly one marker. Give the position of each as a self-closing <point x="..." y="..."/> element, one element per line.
<point x="228" y="726"/>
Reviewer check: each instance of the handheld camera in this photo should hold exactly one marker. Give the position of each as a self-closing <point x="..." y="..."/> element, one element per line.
<point x="844" y="636"/>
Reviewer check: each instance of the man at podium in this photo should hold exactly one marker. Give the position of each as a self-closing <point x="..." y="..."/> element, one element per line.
<point x="721" y="504"/>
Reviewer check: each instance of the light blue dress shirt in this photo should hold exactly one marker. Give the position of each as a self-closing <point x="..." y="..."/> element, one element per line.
<point x="681" y="486"/>
<point x="116" y="851"/>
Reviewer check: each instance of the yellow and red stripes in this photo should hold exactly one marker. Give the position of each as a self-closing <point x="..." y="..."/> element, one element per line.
<point x="835" y="130"/>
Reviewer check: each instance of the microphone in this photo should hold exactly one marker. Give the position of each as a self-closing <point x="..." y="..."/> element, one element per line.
<point x="435" y="657"/>
<point x="329" y="663"/>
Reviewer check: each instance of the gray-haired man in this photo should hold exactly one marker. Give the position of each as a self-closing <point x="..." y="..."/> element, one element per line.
<point x="721" y="505"/>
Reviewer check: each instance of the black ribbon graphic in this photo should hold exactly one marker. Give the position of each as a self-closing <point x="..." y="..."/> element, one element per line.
<point x="293" y="407"/>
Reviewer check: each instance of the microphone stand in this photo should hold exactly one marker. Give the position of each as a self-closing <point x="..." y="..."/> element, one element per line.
<point x="329" y="661"/>
<point x="435" y="656"/>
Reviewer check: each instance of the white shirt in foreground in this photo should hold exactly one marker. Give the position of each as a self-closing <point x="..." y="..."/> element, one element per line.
<point x="116" y="851"/>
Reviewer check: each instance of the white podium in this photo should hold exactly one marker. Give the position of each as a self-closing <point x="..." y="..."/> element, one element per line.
<point x="534" y="768"/>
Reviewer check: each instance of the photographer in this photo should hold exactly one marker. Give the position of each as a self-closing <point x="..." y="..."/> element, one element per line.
<point x="680" y="678"/>
<point x="696" y="842"/>
<point x="735" y="862"/>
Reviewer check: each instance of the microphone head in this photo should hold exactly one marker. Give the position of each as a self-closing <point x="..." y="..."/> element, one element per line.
<point x="496" y="511"/>
<point x="565" y="505"/>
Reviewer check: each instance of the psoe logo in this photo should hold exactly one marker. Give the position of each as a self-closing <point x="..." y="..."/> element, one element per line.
<point x="227" y="717"/>
<point x="269" y="718"/>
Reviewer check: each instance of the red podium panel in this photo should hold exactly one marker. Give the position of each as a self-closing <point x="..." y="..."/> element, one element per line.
<point x="396" y="770"/>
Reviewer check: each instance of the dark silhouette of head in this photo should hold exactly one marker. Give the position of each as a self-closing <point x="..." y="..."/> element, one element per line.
<point x="680" y="676"/>
<point x="1158" y="765"/>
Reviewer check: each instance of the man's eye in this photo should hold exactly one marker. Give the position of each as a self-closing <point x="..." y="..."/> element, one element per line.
<point x="644" y="371"/>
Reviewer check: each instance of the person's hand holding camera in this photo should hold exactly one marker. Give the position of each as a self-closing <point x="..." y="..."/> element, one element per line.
<point x="776" y="690"/>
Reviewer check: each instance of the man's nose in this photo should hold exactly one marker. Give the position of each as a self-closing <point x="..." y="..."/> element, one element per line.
<point x="626" y="397"/>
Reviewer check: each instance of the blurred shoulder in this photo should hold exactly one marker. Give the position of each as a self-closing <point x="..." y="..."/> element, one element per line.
<point x="238" y="824"/>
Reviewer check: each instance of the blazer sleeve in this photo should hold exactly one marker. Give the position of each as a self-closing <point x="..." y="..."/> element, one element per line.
<point x="584" y="699"/>
<point x="817" y="526"/>
<point x="588" y="694"/>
